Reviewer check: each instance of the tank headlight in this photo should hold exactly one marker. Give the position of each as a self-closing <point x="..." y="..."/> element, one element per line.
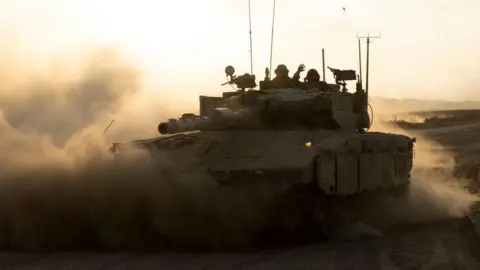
<point x="308" y="144"/>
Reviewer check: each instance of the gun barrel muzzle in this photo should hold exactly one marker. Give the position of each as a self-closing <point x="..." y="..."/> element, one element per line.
<point x="163" y="128"/>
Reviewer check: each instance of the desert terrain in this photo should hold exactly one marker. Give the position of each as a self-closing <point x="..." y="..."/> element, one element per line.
<point x="77" y="76"/>
<point x="447" y="163"/>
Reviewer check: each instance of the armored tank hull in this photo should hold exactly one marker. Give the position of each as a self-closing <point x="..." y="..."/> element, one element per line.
<point x="318" y="176"/>
<point x="306" y="146"/>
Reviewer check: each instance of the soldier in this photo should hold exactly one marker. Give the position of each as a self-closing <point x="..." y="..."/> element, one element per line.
<point x="312" y="81"/>
<point x="282" y="80"/>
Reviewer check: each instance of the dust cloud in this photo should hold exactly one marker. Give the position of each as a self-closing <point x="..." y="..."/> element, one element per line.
<point x="60" y="188"/>
<point x="435" y="192"/>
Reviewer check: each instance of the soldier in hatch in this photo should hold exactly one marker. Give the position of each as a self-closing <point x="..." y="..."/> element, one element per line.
<point x="282" y="80"/>
<point x="312" y="81"/>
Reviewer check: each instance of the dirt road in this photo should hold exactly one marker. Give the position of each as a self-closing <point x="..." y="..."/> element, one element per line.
<point x="450" y="244"/>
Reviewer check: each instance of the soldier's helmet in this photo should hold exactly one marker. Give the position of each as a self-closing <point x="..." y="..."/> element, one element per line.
<point x="281" y="69"/>
<point x="312" y="75"/>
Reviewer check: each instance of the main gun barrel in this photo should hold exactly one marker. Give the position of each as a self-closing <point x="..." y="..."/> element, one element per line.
<point x="184" y="124"/>
<point x="222" y="118"/>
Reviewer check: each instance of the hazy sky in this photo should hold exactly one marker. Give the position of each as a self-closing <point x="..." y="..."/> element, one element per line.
<point x="428" y="49"/>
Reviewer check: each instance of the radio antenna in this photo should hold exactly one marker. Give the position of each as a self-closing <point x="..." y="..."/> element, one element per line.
<point x="250" y="31"/>
<point x="360" y="59"/>
<point x="271" y="42"/>
<point x="367" y="37"/>
<point x="105" y="131"/>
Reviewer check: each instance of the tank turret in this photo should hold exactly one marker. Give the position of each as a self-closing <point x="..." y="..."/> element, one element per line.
<point x="278" y="109"/>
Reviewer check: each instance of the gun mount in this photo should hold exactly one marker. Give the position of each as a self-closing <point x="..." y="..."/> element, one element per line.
<point x="343" y="75"/>
<point x="242" y="82"/>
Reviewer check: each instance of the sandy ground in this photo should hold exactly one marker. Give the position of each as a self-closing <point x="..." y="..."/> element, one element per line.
<point x="446" y="245"/>
<point x="450" y="244"/>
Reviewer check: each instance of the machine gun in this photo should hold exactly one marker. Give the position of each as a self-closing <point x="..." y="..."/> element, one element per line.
<point x="243" y="81"/>
<point x="343" y="75"/>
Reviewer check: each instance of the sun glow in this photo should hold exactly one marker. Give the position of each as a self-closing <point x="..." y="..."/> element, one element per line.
<point x="152" y="29"/>
<point x="185" y="45"/>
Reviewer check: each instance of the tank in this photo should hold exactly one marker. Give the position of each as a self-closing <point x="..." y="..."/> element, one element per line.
<point x="312" y="144"/>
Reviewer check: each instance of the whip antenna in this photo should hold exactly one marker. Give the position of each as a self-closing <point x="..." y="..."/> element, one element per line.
<point x="250" y="31"/>
<point x="271" y="42"/>
<point x="368" y="37"/>
<point x="105" y="131"/>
